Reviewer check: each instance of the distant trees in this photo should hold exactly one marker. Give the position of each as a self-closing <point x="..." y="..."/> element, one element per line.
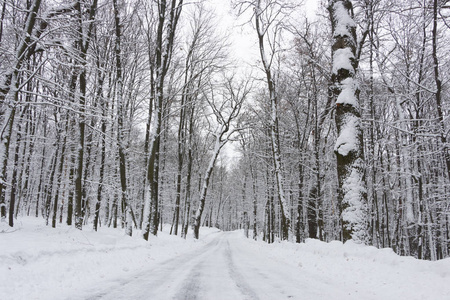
<point x="168" y="15"/>
<point x="393" y="64"/>
<point x="226" y="104"/>
<point x="116" y="113"/>
<point x="270" y="20"/>
<point x="410" y="143"/>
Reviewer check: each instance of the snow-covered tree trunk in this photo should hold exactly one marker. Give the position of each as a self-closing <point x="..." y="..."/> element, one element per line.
<point x="352" y="195"/>
<point x="121" y="136"/>
<point x="15" y="173"/>
<point x="5" y="137"/>
<point x="246" y="224"/>
<point x="219" y="143"/>
<point x="84" y="38"/>
<point x="261" y="29"/>
<point x="163" y="57"/>
<point x="255" y="201"/>
<point x="439" y="89"/>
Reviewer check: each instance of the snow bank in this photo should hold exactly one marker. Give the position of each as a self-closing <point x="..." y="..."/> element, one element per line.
<point x="356" y="271"/>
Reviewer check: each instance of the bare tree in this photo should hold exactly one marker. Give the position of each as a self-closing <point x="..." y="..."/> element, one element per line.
<point x="270" y="17"/>
<point x="226" y="108"/>
<point x="84" y="37"/>
<point x="9" y="84"/>
<point x="168" y="16"/>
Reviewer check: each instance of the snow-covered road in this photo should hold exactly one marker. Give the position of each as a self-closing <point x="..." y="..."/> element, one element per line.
<point x="206" y="273"/>
<point x="221" y="269"/>
<point x="231" y="267"/>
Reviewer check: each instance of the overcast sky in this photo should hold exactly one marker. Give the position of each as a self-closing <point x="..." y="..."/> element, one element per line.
<point x="244" y="40"/>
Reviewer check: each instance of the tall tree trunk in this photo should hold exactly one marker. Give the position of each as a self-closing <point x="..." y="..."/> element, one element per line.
<point x="198" y="215"/>
<point x="121" y="135"/>
<point x="60" y="170"/>
<point x="50" y="184"/>
<point x="101" y="146"/>
<point x="253" y="174"/>
<point x="26" y="170"/>
<point x="22" y="187"/>
<point x="84" y="39"/>
<point x="300" y="224"/>
<point x="5" y="137"/>
<point x="164" y="47"/>
<point x="40" y="193"/>
<point x="274" y="132"/>
<point x="180" y="147"/>
<point x="190" y="159"/>
<point x="1" y="20"/>
<point x="14" y="179"/>
<point x="72" y="164"/>
<point x="352" y="195"/>
<point x="438" y="94"/>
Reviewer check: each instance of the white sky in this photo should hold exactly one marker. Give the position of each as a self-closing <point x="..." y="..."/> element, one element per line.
<point x="244" y="40"/>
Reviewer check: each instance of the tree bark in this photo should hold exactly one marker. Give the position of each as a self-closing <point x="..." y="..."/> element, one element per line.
<point x="352" y="195"/>
<point x="121" y="135"/>
<point x="84" y="39"/>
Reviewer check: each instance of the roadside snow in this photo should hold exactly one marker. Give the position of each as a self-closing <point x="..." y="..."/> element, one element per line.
<point x="354" y="271"/>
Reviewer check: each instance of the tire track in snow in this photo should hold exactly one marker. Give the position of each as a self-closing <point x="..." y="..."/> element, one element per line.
<point x="237" y="277"/>
<point x="222" y="269"/>
<point x="192" y="285"/>
<point x="164" y="278"/>
<point x="215" y="275"/>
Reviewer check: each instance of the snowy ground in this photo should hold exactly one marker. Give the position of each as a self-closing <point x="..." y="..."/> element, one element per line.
<point x="37" y="262"/>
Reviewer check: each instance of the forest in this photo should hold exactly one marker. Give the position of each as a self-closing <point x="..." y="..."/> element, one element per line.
<point x="132" y="114"/>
